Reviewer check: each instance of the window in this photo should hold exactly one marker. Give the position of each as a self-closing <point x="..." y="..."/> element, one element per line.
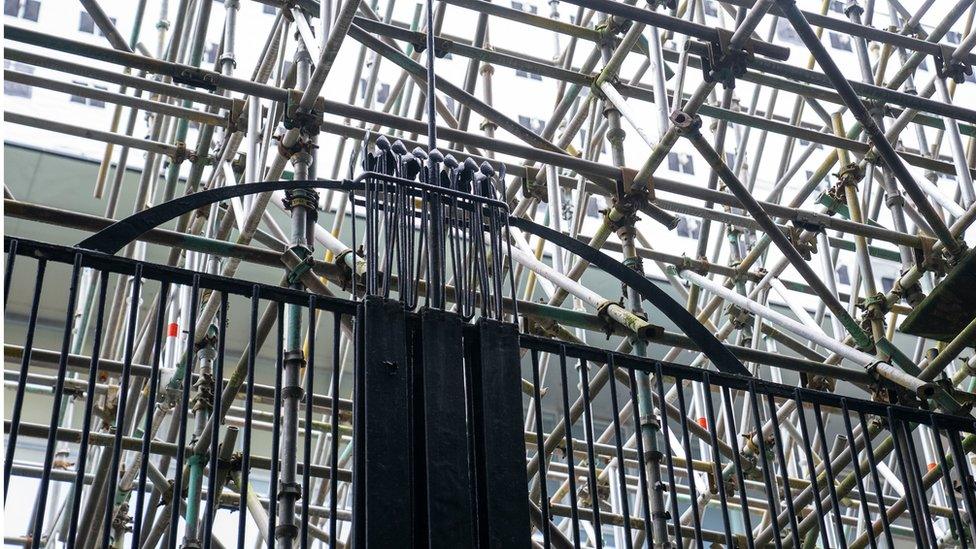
<point x="210" y="54"/>
<point x="688" y="228"/>
<point x="730" y="159"/>
<point x="594" y="205"/>
<point x="711" y="9"/>
<point x="680" y="163"/>
<point x="534" y="124"/>
<point x="837" y="5"/>
<point x="887" y="283"/>
<point x="786" y="32"/>
<point x="16" y="89"/>
<point x="843" y="276"/>
<point x="528" y="8"/>
<point x="841" y="41"/>
<point x="97" y="103"/>
<point x="270" y="10"/>
<point x="87" y="25"/>
<point x="25" y="9"/>
<point x="953" y="37"/>
<point x="448" y="102"/>
<point x="383" y="93"/>
<point x="529" y="75"/>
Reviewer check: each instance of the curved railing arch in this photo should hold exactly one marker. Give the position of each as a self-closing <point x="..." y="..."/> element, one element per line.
<point x="116" y="236"/>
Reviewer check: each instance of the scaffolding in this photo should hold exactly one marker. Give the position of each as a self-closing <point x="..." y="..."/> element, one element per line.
<point x="752" y="419"/>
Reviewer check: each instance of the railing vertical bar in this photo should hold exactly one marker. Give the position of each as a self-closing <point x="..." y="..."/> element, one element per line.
<point x="212" y="503"/>
<point x="570" y="459"/>
<point x="18" y="405"/>
<point x="248" y="413"/>
<point x="716" y="457"/>
<point x="767" y="473"/>
<point x="147" y="434"/>
<point x="125" y="379"/>
<point x="82" y="464"/>
<point x="856" y="464"/>
<point x="897" y="436"/>
<point x="876" y="479"/>
<point x="9" y="272"/>
<point x="641" y="453"/>
<point x="540" y="451"/>
<point x="829" y="470"/>
<point x="811" y="468"/>
<point x="334" y="427"/>
<point x="309" y="392"/>
<point x="781" y="457"/>
<point x="56" y="405"/>
<point x="917" y="473"/>
<point x="276" y="431"/>
<point x="666" y="435"/>
<point x="957" y="523"/>
<point x="618" y="445"/>
<point x="591" y="458"/>
<point x="190" y="357"/>
<point x="965" y="476"/>
<point x="689" y="455"/>
<point x="731" y="431"/>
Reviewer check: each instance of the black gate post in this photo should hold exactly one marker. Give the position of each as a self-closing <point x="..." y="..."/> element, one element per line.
<point x="449" y="483"/>
<point x="384" y="515"/>
<point x="503" y="498"/>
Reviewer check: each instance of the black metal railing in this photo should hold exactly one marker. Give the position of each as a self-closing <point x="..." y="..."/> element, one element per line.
<point x="700" y="473"/>
<point x="153" y="444"/>
<point x="708" y="457"/>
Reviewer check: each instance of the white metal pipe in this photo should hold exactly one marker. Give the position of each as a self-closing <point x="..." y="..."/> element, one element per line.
<point x="545" y="271"/>
<point x="963" y="177"/>
<point x="827" y="265"/>
<point x="555" y="216"/>
<point x="794" y="305"/>
<point x="620" y="104"/>
<point x="794" y="326"/>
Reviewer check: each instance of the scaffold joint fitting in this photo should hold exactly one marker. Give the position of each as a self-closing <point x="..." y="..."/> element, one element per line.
<point x="947" y="67"/>
<point x="723" y="64"/>
<point x="686" y="124"/>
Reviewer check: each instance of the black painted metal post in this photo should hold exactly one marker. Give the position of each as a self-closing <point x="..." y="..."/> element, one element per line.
<point x="503" y="499"/>
<point x="384" y="516"/>
<point x="450" y="515"/>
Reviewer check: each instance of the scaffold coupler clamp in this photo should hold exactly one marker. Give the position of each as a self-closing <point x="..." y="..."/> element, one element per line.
<point x="724" y="64"/>
<point x="739" y="317"/>
<point x="347" y="272"/>
<point x="851" y="174"/>
<point x="610" y="28"/>
<point x="806" y="246"/>
<point x="237" y="116"/>
<point x="304" y="265"/>
<point x="947" y="67"/>
<point x="603" y="313"/>
<point x="307" y="120"/>
<point x="928" y="258"/>
<point x="686" y="124"/>
<point x="182" y="153"/>
<point x="698" y="266"/>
